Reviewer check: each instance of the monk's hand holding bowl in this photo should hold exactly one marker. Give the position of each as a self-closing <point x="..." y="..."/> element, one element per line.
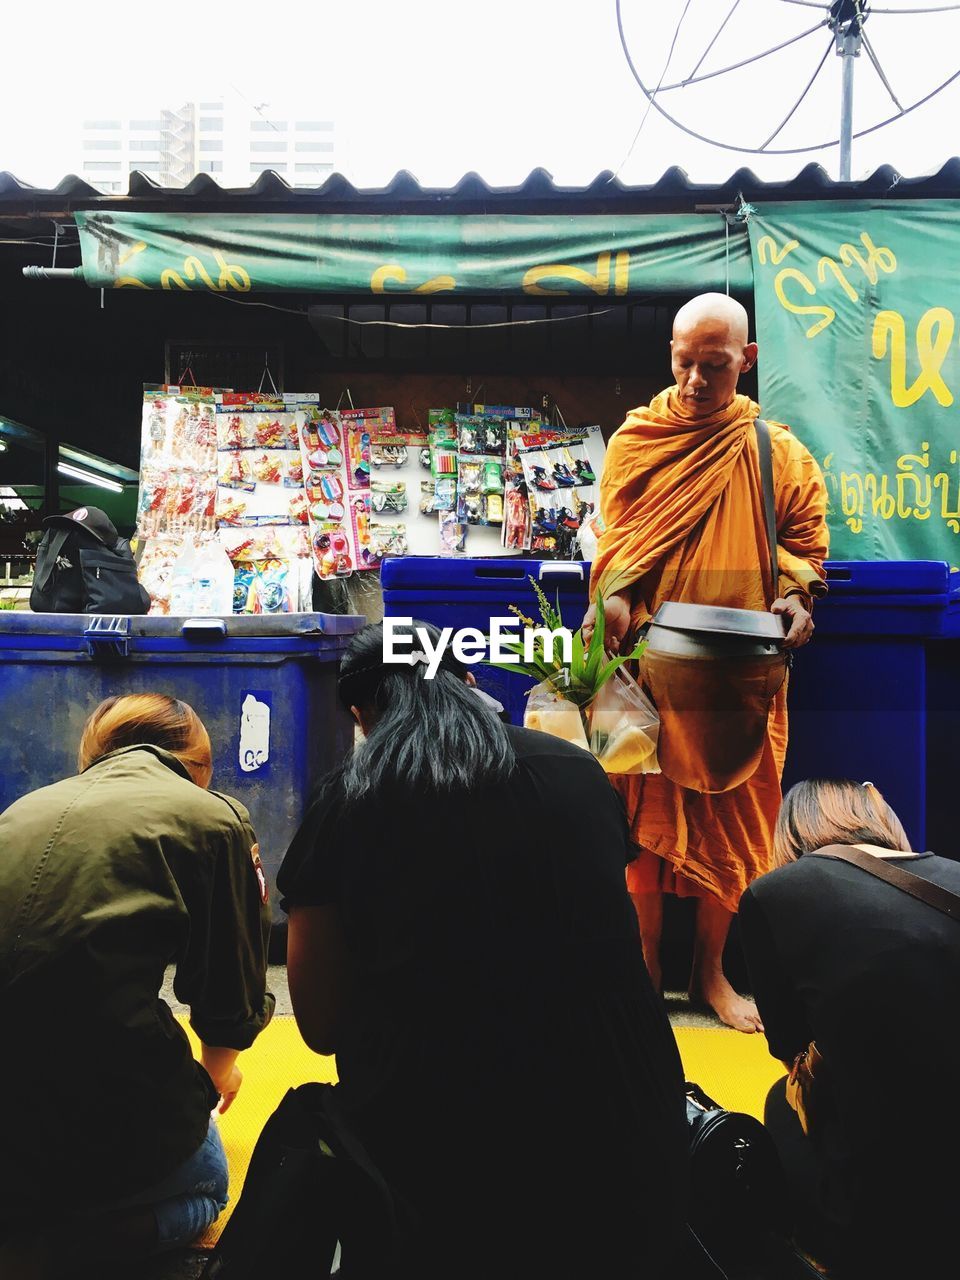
<point x="799" y="620"/>
<point x="616" y="618"/>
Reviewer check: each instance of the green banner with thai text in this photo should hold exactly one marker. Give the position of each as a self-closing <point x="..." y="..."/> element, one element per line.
<point x="857" y="307"/>
<point x="586" y="256"/>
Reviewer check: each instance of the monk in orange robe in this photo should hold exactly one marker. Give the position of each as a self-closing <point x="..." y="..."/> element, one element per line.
<point x="682" y="505"/>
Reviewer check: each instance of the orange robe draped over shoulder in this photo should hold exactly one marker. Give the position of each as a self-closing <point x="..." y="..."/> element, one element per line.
<point x="682" y="507"/>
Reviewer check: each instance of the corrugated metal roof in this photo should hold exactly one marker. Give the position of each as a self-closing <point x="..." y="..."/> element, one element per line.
<point x="673" y="191"/>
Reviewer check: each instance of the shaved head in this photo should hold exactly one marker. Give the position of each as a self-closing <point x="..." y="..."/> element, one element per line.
<point x="709" y="352"/>
<point x="716" y="311"/>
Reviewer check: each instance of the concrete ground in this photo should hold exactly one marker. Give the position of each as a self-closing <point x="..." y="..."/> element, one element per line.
<point x="679" y="1009"/>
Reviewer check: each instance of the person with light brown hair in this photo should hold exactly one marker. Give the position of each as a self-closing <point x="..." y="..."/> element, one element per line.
<point x="871" y="974"/>
<point x="824" y="811"/>
<point x="107" y="878"/>
<point x="148" y="717"/>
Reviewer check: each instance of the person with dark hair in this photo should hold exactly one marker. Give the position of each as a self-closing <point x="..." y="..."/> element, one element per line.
<point x="870" y="974"/>
<point x="461" y="937"/>
<point x="106" y="878"/>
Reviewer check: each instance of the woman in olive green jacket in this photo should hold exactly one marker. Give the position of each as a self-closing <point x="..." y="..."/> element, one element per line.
<point x="107" y="878"/>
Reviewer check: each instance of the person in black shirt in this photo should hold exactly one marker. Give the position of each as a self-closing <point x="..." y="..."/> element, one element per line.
<point x="461" y="937"/>
<point x="872" y="975"/>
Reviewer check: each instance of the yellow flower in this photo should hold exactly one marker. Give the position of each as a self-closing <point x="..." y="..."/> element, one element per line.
<point x="528" y="622"/>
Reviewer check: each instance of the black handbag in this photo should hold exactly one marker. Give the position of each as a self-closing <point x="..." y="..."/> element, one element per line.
<point x="738" y="1207"/>
<point x="310" y="1186"/>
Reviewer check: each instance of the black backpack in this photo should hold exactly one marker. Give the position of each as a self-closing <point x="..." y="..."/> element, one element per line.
<point x="77" y="572"/>
<point x="310" y="1185"/>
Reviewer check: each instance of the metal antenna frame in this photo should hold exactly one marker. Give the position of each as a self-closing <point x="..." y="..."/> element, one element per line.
<point x="846" y="22"/>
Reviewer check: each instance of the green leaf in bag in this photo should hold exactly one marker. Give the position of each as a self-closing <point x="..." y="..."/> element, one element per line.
<point x="595" y="652"/>
<point x="577" y="668"/>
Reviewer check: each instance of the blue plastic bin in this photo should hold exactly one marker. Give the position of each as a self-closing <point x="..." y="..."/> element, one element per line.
<point x="468" y="593"/>
<point x="875" y="696"/>
<point x="265" y="687"/>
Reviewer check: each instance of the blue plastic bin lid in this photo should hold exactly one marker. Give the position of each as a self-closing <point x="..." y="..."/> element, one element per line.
<point x="451" y="573"/>
<point x="236" y="626"/>
<point x="891" y="577"/>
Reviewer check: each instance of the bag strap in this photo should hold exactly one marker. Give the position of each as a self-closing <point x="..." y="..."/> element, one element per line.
<point x="932" y="894"/>
<point x="357" y="1153"/>
<point x="52" y="555"/>
<point x="765" y="455"/>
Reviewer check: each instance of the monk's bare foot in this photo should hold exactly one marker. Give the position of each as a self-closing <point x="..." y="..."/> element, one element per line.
<point x="735" y="1010"/>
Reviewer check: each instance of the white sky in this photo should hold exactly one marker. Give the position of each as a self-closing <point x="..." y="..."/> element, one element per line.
<point x="498" y="86"/>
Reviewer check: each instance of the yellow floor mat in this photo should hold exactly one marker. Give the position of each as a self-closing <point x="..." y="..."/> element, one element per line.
<point x="734" y="1069"/>
<point x="277" y="1059"/>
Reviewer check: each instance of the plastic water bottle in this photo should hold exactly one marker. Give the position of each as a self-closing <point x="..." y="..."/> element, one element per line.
<point x="181" y="581"/>
<point x="213" y="576"/>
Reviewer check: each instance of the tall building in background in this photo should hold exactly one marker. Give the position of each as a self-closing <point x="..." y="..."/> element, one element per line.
<point x="233" y="141"/>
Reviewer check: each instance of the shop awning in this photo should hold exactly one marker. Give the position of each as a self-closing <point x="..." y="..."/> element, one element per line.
<point x="592" y="255"/>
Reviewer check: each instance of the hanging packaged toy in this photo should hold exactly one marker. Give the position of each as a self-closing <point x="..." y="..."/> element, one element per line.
<point x="492" y="476"/>
<point x="446" y="494"/>
<point x="386" y="496"/>
<point x="234" y="472"/>
<point x="233" y="431"/>
<point x="267" y="468"/>
<point x="388" y="540"/>
<point x="453" y="534"/>
<point x="470" y="477"/>
<point x="270" y="432"/>
<point x="443" y="442"/>
<point x="388" y="455"/>
<point x="272" y="587"/>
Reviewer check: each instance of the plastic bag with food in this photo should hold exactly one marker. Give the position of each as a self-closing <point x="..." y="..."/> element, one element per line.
<point x="624" y="726"/>
<point x="550" y="712"/>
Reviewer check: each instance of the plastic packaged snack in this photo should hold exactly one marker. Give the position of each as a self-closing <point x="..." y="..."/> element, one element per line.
<point x="548" y="711"/>
<point x="624" y="726"/>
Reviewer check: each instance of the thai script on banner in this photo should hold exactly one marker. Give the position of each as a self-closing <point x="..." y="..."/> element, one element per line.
<point x="846" y="273"/>
<point x="912" y="492"/>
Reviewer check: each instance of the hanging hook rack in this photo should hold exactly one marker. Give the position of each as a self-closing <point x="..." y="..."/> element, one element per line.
<point x="267" y="374"/>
